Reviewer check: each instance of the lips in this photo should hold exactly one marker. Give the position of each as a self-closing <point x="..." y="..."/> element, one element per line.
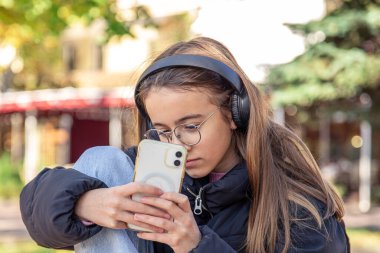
<point x="191" y="162"/>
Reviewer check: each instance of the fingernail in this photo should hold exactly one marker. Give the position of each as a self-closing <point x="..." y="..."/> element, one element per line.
<point x="168" y="216"/>
<point x="137" y="217"/>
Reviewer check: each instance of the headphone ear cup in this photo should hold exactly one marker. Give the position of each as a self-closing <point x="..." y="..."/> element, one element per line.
<point x="235" y="110"/>
<point x="240" y="110"/>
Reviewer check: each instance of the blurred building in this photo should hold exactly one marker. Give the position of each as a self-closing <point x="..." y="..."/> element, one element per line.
<point x="54" y="126"/>
<point x="344" y="136"/>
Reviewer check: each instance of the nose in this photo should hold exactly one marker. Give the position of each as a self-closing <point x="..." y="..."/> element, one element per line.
<point x="175" y="140"/>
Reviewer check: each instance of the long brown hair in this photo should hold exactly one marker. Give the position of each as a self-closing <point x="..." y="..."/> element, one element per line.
<point x="282" y="171"/>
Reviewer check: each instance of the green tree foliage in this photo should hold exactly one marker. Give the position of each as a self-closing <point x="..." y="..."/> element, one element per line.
<point x="10" y="182"/>
<point x="342" y="57"/>
<point x="34" y="28"/>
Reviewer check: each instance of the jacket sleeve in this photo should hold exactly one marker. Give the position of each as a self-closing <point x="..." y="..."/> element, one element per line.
<point x="47" y="207"/>
<point x="211" y="242"/>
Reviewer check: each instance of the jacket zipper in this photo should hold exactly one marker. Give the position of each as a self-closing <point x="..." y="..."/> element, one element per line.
<point x="198" y="202"/>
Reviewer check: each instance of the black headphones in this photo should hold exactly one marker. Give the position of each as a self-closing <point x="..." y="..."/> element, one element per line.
<point x="240" y="105"/>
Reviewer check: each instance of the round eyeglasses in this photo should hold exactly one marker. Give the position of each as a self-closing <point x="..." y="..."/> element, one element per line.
<point x="188" y="134"/>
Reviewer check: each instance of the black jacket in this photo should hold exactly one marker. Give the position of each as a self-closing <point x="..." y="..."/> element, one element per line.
<point x="47" y="208"/>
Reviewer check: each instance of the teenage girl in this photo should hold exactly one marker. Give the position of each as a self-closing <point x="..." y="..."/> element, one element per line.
<point x="251" y="185"/>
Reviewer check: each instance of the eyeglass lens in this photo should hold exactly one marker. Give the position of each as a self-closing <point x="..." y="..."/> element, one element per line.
<point x="187" y="134"/>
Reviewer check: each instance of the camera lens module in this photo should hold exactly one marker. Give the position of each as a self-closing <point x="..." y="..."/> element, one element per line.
<point x="175" y="157"/>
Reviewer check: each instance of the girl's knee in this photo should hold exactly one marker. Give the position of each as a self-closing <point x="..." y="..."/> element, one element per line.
<point x="107" y="163"/>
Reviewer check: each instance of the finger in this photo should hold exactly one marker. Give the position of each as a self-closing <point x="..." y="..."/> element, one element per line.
<point x="128" y="218"/>
<point x="119" y="225"/>
<point x="155" y="221"/>
<point x="132" y="188"/>
<point x="147" y="226"/>
<point x="137" y="207"/>
<point x="169" y="206"/>
<point x="157" y="237"/>
<point x="181" y="200"/>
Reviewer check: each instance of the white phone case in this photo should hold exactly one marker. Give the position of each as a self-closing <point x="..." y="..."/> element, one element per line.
<point x="159" y="164"/>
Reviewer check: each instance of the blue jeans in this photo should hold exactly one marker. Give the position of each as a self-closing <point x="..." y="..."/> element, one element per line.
<point x="113" y="167"/>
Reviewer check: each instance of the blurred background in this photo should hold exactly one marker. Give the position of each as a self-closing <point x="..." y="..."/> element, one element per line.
<point x="68" y="70"/>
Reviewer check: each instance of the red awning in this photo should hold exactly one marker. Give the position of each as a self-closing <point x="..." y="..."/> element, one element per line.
<point x="66" y="99"/>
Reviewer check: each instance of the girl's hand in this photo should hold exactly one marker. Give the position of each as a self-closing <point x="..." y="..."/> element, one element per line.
<point x="181" y="232"/>
<point x="114" y="208"/>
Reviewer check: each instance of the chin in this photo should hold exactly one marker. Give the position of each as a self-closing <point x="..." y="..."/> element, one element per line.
<point x="194" y="174"/>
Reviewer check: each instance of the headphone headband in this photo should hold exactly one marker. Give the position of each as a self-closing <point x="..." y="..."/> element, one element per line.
<point x="239" y="100"/>
<point x="197" y="61"/>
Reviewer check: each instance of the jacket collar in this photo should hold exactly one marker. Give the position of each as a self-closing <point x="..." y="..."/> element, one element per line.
<point x="231" y="188"/>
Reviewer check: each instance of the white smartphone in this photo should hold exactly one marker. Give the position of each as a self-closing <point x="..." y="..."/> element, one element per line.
<point x="159" y="164"/>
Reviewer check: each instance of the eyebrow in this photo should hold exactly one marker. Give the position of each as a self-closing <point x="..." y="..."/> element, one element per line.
<point x="181" y="120"/>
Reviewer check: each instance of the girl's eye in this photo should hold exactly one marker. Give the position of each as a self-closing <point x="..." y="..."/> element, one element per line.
<point x="191" y="127"/>
<point x="161" y="132"/>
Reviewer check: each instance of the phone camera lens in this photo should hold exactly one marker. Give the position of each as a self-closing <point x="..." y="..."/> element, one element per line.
<point x="178" y="154"/>
<point x="177" y="162"/>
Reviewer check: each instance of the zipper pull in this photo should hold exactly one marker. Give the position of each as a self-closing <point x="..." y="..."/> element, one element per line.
<point x="198" y="205"/>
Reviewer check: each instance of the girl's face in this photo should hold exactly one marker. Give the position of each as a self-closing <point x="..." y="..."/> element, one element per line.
<point x="168" y="108"/>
